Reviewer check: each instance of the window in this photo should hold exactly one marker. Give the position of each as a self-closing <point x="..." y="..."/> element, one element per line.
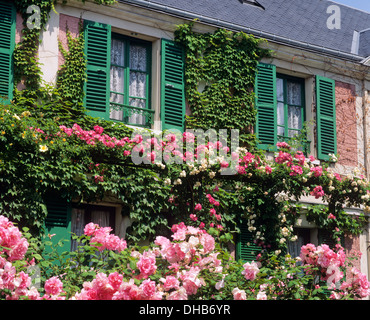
<point x="303" y="238"/>
<point x="81" y="216"/>
<point x="118" y="85"/>
<point x="130" y="80"/>
<point x="290" y="106"/>
<point x="63" y="218"/>
<point x="281" y="110"/>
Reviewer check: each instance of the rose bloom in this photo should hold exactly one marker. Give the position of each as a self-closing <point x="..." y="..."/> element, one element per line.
<point x="179" y="294"/>
<point x="239" y="294"/>
<point x="53" y="286"/>
<point x="170" y="282"/>
<point x="250" y="270"/>
<point x="148" y="288"/>
<point x="90" y="228"/>
<point x="146" y="264"/>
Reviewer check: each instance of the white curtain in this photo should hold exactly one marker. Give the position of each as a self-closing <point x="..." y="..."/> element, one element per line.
<point x="100" y="217"/>
<point x="294" y="119"/>
<point x="138" y="68"/>
<point x="137" y="79"/>
<point x="79" y="222"/>
<point x="117" y="76"/>
<point x="294" y="93"/>
<point x="294" y="112"/>
<point x="280" y="118"/>
<point x="77" y="225"/>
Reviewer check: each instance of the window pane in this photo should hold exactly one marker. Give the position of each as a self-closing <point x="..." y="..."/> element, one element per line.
<point x="100" y="217"/>
<point x="303" y="237"/>
<point x="292" y="133"/>
<point x="137" y="103"/>
<point x="294" y="93"/>
<point x="137" y="118"/>
<point x="118" y="52"/>
<point x="116" y="85"/>
<point x="280" y="131"/>
<point x="137" y="84"/>
<point x="138" y="58"/>
<point x="77" y="225"/>
<point x="280" y="113"/>
<point x="294" y="117"/>
<point x="280" y="89"/>
<point x="117" y="79"/>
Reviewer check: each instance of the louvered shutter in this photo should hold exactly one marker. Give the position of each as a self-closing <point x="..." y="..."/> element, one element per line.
<point x="265" y="91"/>
<point x="58" y="220"/>
<point x="7" y="43"/>
<point x="97" y="51"/>
<point x="172" y="86"/>
<point x="246" y="249"/>
<point x="325" y="117"/>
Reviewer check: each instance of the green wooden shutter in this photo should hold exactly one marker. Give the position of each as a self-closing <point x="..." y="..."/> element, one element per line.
<point x="7" y="43"/>
<point x="325" y="117"/>
<point x="172" y="86"/>
<point x="265" y="90"/>
<point x="58" y="221"/>
<point x="97" y="51"/>
<point x="246" y="249"/>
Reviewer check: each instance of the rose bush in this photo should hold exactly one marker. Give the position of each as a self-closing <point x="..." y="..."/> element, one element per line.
<point x="190" y="266"/>
<point x="174" y="182"/>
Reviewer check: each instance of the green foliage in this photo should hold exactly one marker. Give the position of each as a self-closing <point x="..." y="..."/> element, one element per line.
<point x="225" y="64"/>
<point x="72" y="75"/>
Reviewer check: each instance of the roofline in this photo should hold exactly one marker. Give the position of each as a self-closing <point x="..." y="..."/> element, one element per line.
<point x="147" y="4"/>
<point x="348" y="6"/>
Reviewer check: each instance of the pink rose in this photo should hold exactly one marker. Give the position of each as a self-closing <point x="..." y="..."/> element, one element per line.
<point x="208" y="243"/>
<point x="98" y="129"/>
<point x="90" y="228"/>
<point x="170" y="282"/>
<point x="317" y="192"/>
<point x="250" y="270"/>
<point x="149" y="288"/>
<point x="147" y="264"/>
<point x="239" y="294"/>
<point x="53" y="286"/>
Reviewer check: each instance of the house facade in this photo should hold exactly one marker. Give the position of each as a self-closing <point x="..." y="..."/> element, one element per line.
<point x="318" y="74"/>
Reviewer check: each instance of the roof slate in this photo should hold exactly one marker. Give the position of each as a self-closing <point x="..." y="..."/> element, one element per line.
<point x="304" y="21"/>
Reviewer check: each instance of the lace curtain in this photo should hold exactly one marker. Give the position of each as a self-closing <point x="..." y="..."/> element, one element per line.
<point x="294" y="112"/>
<point x="292" y="98"/>
<point x="137" y="79"/>
<point x="117" y="76"/>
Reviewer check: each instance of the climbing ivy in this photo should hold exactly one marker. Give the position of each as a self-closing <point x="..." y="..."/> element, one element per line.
<point x="72" y="75"/>
<point x="26" y="62"/>
<point x="220" y="72"/>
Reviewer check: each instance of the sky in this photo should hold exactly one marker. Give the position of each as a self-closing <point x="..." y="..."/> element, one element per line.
<point x="358" y="4"/>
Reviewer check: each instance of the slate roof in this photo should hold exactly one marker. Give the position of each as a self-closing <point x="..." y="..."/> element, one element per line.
<point x="303" y="21"/>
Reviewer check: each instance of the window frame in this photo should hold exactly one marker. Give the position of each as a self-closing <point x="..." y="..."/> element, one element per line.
<point x="301" y="81"/>
<point x="126" y="70"/>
